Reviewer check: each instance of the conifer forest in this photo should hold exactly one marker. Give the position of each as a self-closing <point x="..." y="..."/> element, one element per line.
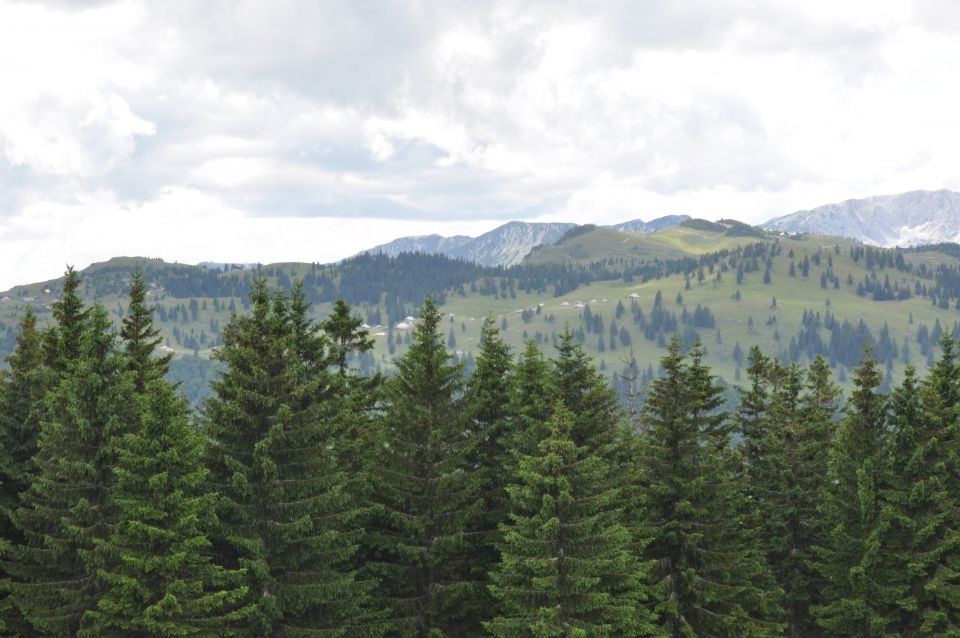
<point x="520" y="498"/>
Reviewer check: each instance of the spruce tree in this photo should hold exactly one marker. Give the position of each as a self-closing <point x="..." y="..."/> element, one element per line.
<point x="487" y="403"/>
<point x="67" y="513"/>
<point x="141" y="338"/>
<point x="427" y="495"/>
<point x="566" y="568"/>
<point x="21" y="402"/>
<point x="345" y="334"/>
<point x="922" y="539"/>
<point x="855" y="571"/>
<point x="786" y="473"/>
<point x="285" y="517"/>
<point x="62" y="342"/>
<point x="21" y="396"/>
<point x="529" y="401"/>
<point x="752" y="415"/>
<point x="159" y="578"/>
<point x="710" y="576"/>
<point x="587" y="394"/>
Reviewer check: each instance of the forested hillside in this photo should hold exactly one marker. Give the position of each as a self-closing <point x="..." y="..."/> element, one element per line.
<point x="518" y="498"/>
<point x="623" y="295"/>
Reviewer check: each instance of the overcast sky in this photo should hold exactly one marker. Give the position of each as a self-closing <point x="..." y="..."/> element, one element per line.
<point x="309" y="130"/>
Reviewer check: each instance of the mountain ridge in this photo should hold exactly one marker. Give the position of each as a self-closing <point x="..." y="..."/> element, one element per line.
<point x="510" y="243"/>
<point x="905" y="219"/>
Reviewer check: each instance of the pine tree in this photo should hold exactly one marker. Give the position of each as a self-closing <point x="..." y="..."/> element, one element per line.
<point x="587" y="394"/>
<point x="752" y="415"/>
<point x="67" y="513"/>
<point x="566" y="568"/>
<point x="345" y="334"/>
<point x="854" y="570"/>
<point x="21" y="395"/>
<point x="159" y="579"/>
<point x="487" y="403"/>
<point x="428" y="496"/>
<point x="529" y="401"/>
<point x="787" y="474"/>
<point x="923" y="540"/>
<point x="710" y="576"/>
<point x="141" y="338"/>
<point x="61" y="344"/>
<point x="21" y="398"/>
<point x="285" y="516"/>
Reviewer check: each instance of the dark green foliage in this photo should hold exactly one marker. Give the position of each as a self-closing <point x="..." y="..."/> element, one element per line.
<point x="428" y="496"/>
<point x="487" y="404"/>
<point x="710" y="576"/>
<point x="67" y="513"/>
<point x="159" y="578"/>
<point x="345" y="335"/>
<point x="61" y="346"/>
<point x="787" y="430"/>
<point x="922" y="539"/>
<point x="855" y="571"/>
<point x="21" y="396"/>
<point x="285" y="516"/>
<point x="566" y="567"/>
<point x="587" y="395"/>
<point x="141" y="338"/>
<point x="529" y="401"/>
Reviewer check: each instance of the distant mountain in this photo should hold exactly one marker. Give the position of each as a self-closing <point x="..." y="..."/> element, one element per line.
<point x="225" y="266"/>
<point x="507" y="245"/>
<point x="907" y="219"/>
<point x="640" y="226"/>
<point x="503" y="246"/>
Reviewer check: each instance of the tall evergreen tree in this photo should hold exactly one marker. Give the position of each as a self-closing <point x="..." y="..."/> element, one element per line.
<point x="855" y="571"/>
<point x="786" y="471"/>
<point x="587" y="394"/>
<point x="159" y="578"/>
<point x="923" y="537"/>
<point x="566" y="568"/>
<point x="529" y="401"/>
<point x="752" y="415"/>
<point x="141" y="338"/>
<point x="62" y="342"/>
<point x="21" y="396"/>
<point x="489" y="422"/>
<point x="285" y="516"/>
<point x="21" y="401"/>
<point x="427" y="494"/>
<point x="345" y="334"/>
<point x="67" y="513"/>
<point x="710" y="576"/>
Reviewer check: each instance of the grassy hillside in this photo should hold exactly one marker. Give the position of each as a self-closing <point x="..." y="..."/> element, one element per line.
<point x="588" y="244"/>
<point x="740" y="281"/>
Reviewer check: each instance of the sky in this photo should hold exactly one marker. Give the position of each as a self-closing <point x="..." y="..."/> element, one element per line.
<point x="308" y="130"/>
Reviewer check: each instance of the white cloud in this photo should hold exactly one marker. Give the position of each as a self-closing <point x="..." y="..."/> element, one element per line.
<point x="235" y="119"/>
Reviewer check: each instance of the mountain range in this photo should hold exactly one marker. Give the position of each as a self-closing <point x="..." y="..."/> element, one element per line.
<point x="508" y="244"/>
<point x="907" y="219"/>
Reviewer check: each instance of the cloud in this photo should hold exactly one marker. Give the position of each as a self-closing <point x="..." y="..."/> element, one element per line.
<point x="447" y="117"/>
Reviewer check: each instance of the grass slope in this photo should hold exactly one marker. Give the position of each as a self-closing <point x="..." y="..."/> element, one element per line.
<point x="753" y="319"/>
